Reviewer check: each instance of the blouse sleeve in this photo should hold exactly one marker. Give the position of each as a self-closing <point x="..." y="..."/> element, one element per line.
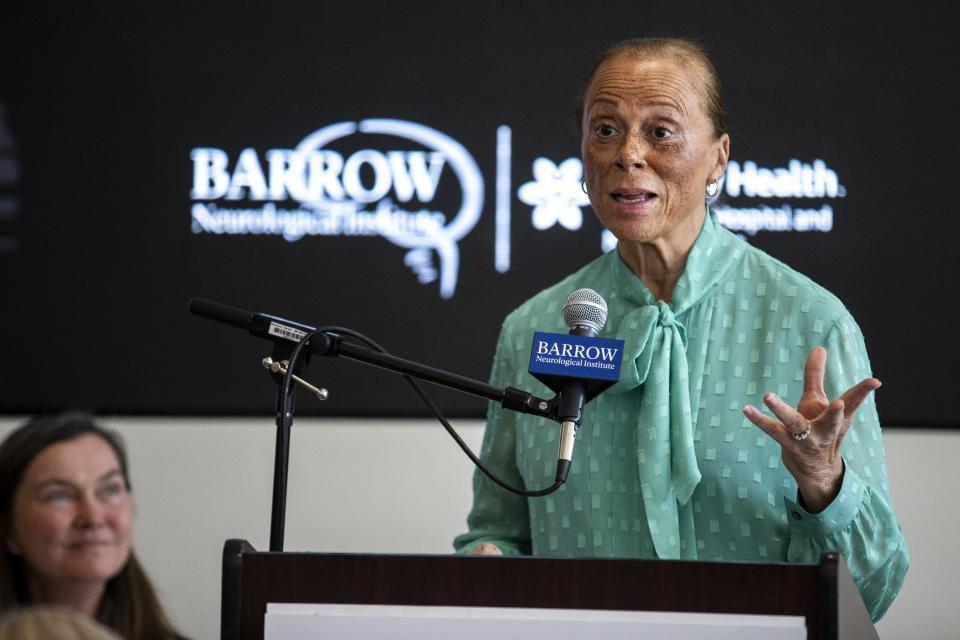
<point x="498" y="516"/>
<point x="860" y="522"/>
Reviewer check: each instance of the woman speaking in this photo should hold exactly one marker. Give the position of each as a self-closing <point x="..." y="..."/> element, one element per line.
<point x="676" y="460"/>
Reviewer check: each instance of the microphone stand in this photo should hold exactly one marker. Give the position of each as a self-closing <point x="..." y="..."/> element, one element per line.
<point x="281" y="460"/>
<point x="286" y="335"/>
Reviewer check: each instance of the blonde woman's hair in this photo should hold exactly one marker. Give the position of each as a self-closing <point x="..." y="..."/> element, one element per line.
<point x="52" y="623"/>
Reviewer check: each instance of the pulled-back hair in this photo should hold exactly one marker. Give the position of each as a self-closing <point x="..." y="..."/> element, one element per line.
<point x="688" y="53"/>
<point x="129" y="605"/>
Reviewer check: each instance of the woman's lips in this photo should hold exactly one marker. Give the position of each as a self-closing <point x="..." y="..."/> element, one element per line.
<point x="630" y="200"/>
<point x="89" y="544"/>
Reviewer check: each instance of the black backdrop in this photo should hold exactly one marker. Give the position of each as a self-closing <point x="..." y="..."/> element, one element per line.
<point x="100" y="249"/>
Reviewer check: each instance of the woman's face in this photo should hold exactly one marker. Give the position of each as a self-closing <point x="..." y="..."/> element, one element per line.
<point x="648" y="147"/>
<point x="72" y="514"/>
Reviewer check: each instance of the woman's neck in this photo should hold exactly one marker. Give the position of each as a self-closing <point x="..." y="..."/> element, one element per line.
<point x="660" y="263"/>
<point x="81" y="596"/>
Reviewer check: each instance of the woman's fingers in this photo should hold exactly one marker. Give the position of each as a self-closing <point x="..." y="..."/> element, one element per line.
<point x="832" y="422"/>
<point x="826" y="421"/>
<point x="773" y="428"/>
<point x="792" y="419"/>
<point x="486" y="549"/>
<point x="855" y="395"/>
<point x="813" y="372"/>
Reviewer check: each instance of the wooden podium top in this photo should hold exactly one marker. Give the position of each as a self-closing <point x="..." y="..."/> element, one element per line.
<point x="823" y="593"/>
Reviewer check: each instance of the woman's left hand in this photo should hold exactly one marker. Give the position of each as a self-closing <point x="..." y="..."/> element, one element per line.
<point x="810" y="435"/>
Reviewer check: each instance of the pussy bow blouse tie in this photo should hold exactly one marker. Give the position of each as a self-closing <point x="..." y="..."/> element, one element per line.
<point x="654" y="376"/>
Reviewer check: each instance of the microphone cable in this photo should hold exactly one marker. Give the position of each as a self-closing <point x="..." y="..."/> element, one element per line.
<point x="427" y="401"/>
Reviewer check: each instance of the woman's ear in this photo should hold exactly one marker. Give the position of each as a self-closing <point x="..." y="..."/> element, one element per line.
<point x="723" y="155"/>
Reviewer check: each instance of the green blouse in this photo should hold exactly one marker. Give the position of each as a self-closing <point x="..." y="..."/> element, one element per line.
<point x="665" y="464"/>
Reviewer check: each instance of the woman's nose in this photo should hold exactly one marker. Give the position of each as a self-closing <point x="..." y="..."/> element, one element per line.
<point x="90" y="511"/>
<point x="632" y="153"/>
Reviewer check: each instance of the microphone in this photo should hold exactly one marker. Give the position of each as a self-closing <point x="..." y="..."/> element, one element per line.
<point x="585" y="314"/>
<point x="262" y="325"/>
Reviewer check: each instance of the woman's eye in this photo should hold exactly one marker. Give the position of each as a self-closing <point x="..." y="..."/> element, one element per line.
<point x="57" y="496"/>
<point x="661" y="133"/>
<point x="605" y="130"/>
<point x="113" y="490"/>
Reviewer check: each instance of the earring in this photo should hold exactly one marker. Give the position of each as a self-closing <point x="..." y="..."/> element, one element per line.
<point x="713" y="188"/>
<point x="583" y="186"/>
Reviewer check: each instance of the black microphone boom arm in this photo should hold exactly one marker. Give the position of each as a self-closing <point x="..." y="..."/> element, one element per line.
<point x="330" y="344"/>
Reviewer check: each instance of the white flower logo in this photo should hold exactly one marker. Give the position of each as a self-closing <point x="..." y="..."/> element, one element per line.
<point x="555" y="194"/>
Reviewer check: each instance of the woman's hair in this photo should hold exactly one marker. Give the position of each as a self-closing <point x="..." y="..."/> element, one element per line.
<point x="51" y="623"/>
<point x="129" y="604"/>
<point x="689" y="53"/>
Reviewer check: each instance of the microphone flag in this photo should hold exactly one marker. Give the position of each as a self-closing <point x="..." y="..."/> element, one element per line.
<point x="558" y="357"/>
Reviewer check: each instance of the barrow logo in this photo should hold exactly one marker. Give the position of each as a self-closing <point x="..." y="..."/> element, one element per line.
<point x="566" y="355"/>
<point x="370" y="192"/>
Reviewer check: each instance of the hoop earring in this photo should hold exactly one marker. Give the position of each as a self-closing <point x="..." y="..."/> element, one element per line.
<point x="583" y="186"/>
<point x="712" y="192"/>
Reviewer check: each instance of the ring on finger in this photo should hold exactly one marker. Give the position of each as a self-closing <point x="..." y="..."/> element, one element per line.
<point x="803" y="434"/>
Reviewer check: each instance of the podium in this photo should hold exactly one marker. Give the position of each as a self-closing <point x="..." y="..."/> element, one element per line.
<point x="823" y="593"/>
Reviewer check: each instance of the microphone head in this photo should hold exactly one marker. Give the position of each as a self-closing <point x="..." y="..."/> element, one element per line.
<point x="585" y="308"/>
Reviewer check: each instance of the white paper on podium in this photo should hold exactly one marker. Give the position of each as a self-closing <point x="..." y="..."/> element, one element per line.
<point x="349" y="622"/>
